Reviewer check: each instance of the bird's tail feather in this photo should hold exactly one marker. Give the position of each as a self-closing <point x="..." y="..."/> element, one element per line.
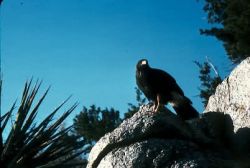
<point x="184" y="109"/>
<point x="186" y="112"/>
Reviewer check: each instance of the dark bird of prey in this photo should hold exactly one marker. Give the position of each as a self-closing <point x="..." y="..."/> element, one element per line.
<point x="161" y="88"/>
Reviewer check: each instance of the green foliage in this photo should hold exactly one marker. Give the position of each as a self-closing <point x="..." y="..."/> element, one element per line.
<point x="94" y="122"/>
<point x="209" y="82"/>
<point x="231" y="25"/>
<point x="30" y="144"/>
<point x="134" y="108"/>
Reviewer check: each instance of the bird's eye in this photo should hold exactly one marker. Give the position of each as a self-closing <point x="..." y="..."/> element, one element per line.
<point x="143" y="62"/>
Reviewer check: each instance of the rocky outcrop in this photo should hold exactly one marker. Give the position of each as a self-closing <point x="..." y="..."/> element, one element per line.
<point x="144" y="125"/>
<point x="161" y="139"/>
<point x="219" y="138"/>
<point x="232" y="96"/>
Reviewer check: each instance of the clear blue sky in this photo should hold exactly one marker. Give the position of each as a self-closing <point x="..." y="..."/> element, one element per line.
<point x="89" y="48"/>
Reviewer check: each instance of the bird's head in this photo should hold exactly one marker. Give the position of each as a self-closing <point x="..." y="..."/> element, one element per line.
<point x="142" y="64"/>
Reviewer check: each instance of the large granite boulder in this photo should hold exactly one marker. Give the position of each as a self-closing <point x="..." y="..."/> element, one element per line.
<point x="162" y="139"/>
<point x="232" y="96"/>
<point x="219" y="138"/>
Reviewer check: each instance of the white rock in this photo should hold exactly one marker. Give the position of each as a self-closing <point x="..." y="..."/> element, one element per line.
<point x="232" y="96"/>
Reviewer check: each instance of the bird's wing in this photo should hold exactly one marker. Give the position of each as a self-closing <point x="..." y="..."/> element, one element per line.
<point x="166" y="81"/>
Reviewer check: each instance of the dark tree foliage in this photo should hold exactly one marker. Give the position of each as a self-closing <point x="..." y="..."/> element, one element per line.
<point x="231" y="25"/>
<point x="209" y="82"/>
<point x="134" y="108"/>
<point x="94" y="122"/>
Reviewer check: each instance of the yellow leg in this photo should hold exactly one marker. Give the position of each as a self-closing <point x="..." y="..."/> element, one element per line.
<point x="158" y="104"/>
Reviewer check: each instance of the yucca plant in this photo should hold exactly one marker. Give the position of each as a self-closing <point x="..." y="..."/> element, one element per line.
<point x="29" y="144"/>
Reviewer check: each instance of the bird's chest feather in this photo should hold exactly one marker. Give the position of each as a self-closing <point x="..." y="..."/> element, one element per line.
<point x="143" y="78"/>
<point x="145" y="82"/>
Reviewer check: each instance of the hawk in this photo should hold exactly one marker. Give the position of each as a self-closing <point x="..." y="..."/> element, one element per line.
<point x="161" y="88"/>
